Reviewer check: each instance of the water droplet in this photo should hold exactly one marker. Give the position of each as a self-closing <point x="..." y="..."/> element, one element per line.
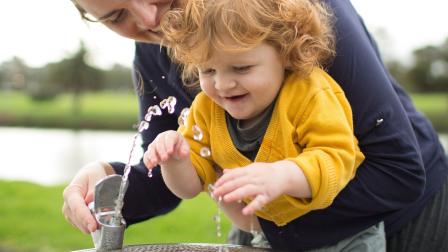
<point x="169" y="104"/>
<point x="182" y="120"/>
<point x="149" y="173"/>
<point x="153" y="110"/>
<point x="143" y="126"/>
<point x="163" y="76"/>
<point x="217" y="216"/>
<point x="205" y="152"/>
<point x="379" y="121"/>
<point x="197" y="133"/>
<point x="155" y="97"/>
<point x="252" y="229"/>
<point x="211" y="187"/>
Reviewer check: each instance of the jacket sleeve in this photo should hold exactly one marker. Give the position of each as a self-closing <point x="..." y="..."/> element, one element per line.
<point x="155" y="78"/>
<point x="392" y="176"/>
<point x="330" y="155"/>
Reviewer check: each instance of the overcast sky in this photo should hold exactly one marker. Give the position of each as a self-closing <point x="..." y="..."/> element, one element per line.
<point x="42" y="31"/>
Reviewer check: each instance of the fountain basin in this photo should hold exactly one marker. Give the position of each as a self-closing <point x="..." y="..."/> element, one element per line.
<point x="185" y="247"/>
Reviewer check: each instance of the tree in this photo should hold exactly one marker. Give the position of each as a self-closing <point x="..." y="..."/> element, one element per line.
<point x="430" y="71"/>
<point x="74" y="75"/>
<point x="14" y="74"/>
<point x="118" y="78"/>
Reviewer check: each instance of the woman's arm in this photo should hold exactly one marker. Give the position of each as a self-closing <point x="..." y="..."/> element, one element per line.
<point x="381" y="124"/>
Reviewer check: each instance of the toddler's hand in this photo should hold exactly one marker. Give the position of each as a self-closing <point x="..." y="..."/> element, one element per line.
<point x="169" y="146"/>
<point x="263" y="182"/>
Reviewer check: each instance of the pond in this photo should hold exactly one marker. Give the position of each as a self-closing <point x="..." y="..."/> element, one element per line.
<point x="51" y="157"/>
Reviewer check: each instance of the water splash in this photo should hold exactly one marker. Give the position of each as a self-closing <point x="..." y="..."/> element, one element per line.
<point x="116" y="219"/>
<point x="153" y="111"/>
<point x="169" y="104"/>
<point x="144" y="125"/>
<point x="197" y="133"/>
<point x="255" y="234"/>
<point x="205" y="152"/>
<point x="217" y="216"/>
<point x="182" y="120"/>
<point x="217" y="219"/>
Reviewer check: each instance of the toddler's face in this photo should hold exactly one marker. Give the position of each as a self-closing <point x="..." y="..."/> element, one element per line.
<point x="244" y="84"/>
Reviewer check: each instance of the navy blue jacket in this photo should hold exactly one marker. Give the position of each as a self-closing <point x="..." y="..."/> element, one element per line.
<point x="405" y="164"/>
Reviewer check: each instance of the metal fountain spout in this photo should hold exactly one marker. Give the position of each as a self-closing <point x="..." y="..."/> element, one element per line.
<point x="106" y="207"/>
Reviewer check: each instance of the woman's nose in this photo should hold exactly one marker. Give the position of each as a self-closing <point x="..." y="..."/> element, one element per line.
<point x="146" y="15"/>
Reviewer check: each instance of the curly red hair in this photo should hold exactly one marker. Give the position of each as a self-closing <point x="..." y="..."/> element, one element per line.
<point x="301" y="30"/>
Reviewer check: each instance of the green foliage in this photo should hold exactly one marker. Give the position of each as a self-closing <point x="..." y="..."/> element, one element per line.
<point x="71" y="75"/>
<point x="430" y="70"/>
<point x="74" y="74"/>
<point x="31" y="220"/>
<point x="118" y="78"/>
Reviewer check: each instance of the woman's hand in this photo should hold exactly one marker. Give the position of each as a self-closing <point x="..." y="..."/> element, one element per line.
<point x="79" y="193"/>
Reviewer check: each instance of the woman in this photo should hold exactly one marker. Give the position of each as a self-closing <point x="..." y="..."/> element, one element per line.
<point x="402" y="181"/>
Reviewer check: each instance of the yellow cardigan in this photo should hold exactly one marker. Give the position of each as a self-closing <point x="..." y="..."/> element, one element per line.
<point x="311" y="125"/>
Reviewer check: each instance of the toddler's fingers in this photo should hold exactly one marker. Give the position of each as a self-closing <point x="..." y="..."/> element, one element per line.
<point x="230" y="175"/>
<point x="182" y="147"/>
<point x="240" y="193"/>
<point x="150" y="159"/>
<point x="160" y="147"/>
<point x="171" y="139"/>
<point x="231" y="184"/>
<point x="256" y="204"/>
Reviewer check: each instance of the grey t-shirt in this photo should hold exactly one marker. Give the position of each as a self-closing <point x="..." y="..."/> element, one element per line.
<point x="247" y="139"/>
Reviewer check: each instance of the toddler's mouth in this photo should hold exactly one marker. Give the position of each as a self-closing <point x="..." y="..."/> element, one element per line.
<point x="235" y="97"/>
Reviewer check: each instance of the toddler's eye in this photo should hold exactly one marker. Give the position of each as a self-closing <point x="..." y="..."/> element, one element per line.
<point x="242" y="69"/>
<point x="208" y="71"/>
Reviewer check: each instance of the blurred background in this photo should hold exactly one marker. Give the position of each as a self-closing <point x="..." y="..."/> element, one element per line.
<point x="66" y="99"/>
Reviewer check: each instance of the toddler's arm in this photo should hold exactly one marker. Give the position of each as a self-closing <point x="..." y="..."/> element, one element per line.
<point x="172" y="152"/>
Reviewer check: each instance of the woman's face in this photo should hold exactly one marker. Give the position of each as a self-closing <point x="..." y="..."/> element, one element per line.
<point x="135" y="19"/>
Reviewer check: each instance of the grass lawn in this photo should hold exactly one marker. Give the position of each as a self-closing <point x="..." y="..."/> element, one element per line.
<point x="31" y="220"/>
<point x="436" y="103"/>
<point x="118" y="111"/>
<point x="105" y="110"/>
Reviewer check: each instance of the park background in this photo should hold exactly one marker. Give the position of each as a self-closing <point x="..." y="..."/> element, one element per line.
<point x="66" y="99"/>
